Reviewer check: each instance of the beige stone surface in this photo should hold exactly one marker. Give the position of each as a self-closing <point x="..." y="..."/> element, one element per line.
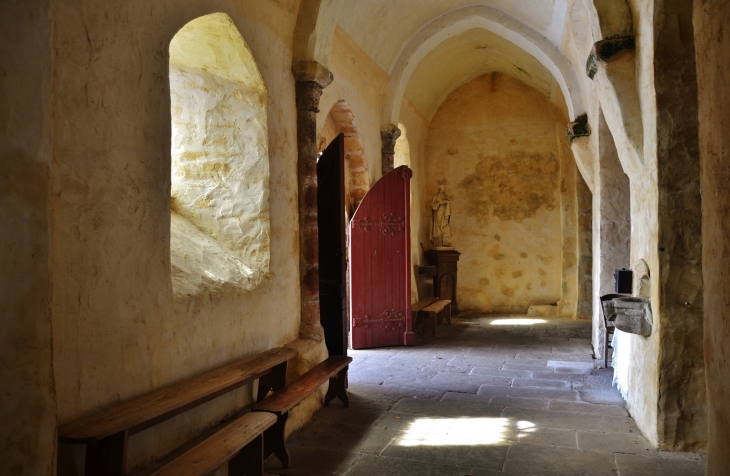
<point x="468" y="55"/>
<point x="27" y="395"/>
<point x="118" y="330"/>
<point x="91" y="250"/>
<point x="611" y="226"/>
<point x="416" y="127"/>
<point x="569" y="216"/>
<point x="494" y="141"/>
<point x="341" y="120"/>
<point x="682" y="388"/>
<point x="712" y="43"/>
<point x="585" y="251"/>
<point x="220" y="161"/>
<point x="398" y="21"/>
<point x="360" y="82"/>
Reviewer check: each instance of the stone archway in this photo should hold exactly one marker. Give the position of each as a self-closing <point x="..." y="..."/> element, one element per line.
<point x="341" y="120"/>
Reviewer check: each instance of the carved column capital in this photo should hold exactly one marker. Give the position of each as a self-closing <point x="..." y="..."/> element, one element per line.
<point x="311" y="78"/>
<point x="312" y="72"/>
<point x="389" y="136"/>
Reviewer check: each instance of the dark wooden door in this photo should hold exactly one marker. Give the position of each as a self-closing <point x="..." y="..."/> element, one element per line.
<point x="380" y="263"/>
<point x="332" y="265"/>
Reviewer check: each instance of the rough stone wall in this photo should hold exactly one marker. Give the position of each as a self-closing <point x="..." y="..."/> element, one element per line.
<point x="682" y="396"/>
<point x="118" y="330"/>
<point x="220" y="183"/>
<point x="611" y="227"/>
<point x="585" y="251"/>
<point x="494" y="142"/>
<point x="712" y="46"/>
<point x="27" y="397"/>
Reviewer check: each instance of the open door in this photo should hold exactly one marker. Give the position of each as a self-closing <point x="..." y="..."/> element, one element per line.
<point x="332" y="266"/>
<point x="380" y="264"/>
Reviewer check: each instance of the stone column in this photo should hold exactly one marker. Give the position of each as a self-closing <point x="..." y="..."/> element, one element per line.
<point x="682" y="405"/>
<point x="611" y="227"/>
<point x="389" y="136"/>
<point x="567" y="305"/>
<point x="311" y="78"/>
<point x="712" y="45"/>
<point x="585" y="251"/>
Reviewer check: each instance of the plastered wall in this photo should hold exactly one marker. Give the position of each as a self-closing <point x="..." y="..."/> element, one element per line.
<point x="118" y="330"/>
<point x="494" y="141"/>
<point x="27" y="396"/>
<point x="417" y="127"/>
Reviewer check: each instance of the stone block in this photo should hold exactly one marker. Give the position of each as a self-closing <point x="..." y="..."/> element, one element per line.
<point x="556" y="461"/>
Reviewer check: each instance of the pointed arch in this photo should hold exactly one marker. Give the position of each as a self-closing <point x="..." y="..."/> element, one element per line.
<point x="341" y="120"/>
<point x="463" y="19"/>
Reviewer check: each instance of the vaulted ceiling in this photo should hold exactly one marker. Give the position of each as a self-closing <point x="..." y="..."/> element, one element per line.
<point x="382" y="27"/>
<point x="431" y="47"/>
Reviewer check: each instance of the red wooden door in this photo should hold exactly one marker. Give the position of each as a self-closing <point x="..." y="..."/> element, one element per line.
<point x="380" y="263"/>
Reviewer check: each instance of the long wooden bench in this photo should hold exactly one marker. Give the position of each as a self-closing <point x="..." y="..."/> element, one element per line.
<point x="240" y="444"/>
<point x="105" y="433"/>
<point x="280" y="402"/>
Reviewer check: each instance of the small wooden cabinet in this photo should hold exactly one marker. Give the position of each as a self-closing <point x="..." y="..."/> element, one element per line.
<point x="444" y="283"/>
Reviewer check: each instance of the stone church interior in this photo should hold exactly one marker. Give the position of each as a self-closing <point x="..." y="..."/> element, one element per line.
<point x="364" y="237"/>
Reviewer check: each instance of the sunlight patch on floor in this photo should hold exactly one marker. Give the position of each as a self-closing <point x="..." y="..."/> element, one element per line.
<point x="517" y="322"/>
<point x="462" y="431"/>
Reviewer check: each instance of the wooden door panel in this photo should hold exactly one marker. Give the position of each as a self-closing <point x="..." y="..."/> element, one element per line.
<point x="380" y="264"/>
<point x="332" y="266"/>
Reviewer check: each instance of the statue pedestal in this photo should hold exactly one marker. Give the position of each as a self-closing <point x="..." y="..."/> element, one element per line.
<point x="444" y="283"/>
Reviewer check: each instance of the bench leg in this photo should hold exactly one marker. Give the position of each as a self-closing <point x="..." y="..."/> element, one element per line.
<point x="338" y="388"/>
<point x="274" y="441"/>
<point x="250" y="460"/>
<point x="432" y="323"/>
<point x="275" y="380"/>
<point x="414" y="321"/>
<point x="107" y="457"/>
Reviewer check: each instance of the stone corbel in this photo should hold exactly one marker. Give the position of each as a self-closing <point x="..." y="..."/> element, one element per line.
<point x="311" y="78"/>
<point x="579" y="132"/>
<point x="633" y="314"/>
<point x="389" y="136"/>
<point x="612" y="66"/>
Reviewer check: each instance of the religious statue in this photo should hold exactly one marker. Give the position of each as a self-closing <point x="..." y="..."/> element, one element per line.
<point x="441" y="219"/>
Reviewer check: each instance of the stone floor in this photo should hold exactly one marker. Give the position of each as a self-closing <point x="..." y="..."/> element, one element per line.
<point x="487" y="396"/>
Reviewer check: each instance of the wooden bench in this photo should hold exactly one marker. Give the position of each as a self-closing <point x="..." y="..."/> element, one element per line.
<point x="240" y="444"/>
<point x="105" y="432"/>
<point x="416" y="309"/>
<point x="435" y="312"/>
<point x="429" y="309"/>
<point x="280" y="402"/>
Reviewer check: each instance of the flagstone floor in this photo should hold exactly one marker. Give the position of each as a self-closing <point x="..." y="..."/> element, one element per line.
<point x="489" y="395"/>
